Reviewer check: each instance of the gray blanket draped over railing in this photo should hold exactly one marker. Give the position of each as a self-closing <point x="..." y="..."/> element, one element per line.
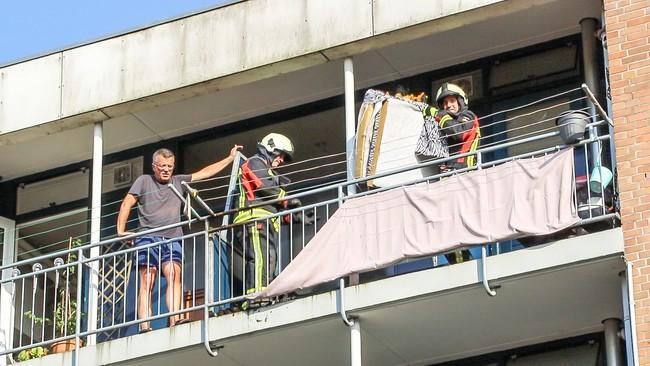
<point x="516" y="199"/>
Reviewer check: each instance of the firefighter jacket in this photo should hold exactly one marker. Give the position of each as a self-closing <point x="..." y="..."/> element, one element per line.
<point x="257" y="182"/>
<point x="462" y="132"/>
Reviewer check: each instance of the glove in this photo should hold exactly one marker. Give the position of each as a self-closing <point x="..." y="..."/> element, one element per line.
<point x="430" y="111"/>
<point x="440" y="115"/>
<point x="306" y="217"/>
<point x="283" y="181"/>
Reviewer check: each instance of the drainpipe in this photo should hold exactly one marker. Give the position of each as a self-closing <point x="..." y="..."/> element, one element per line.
<point x="95" y="222"/>
<point x="353" y="324"/>
<point x="355" y="343"/>
<point x="602" y="36"/>
<point x="588" y="27"/>
<point x="629" y="315"/>
<point x="613" y="353"/>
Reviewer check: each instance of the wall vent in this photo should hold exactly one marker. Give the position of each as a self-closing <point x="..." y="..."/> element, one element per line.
<point x="122" y="175"/>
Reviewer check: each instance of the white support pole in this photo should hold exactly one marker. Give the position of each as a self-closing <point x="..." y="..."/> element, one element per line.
<point x="350" y="128"/>
<point x="8" y="241"/>
<point x="613" y="353"/>
<point x="350" y="120"/>
<point x="95" y="227"/>
<point x="355" y="343"/>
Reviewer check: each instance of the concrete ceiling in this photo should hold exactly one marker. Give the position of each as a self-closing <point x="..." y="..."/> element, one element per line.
<point x="470" y="42"/>
<point x="531" y="309"/>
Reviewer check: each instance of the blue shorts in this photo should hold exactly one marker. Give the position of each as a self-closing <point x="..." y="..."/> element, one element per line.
<point x="165" y="252"/>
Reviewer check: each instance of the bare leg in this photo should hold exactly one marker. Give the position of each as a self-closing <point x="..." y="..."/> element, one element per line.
<point x="147" y="279"/>
<point x="172" y="273"/>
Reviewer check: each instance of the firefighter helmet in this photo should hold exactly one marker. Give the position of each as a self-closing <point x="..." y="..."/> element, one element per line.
<point x="449" y="89"/>
<point x="276" y="143"/>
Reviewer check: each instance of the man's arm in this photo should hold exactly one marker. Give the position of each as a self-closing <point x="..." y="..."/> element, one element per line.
<point x="215" y="168"/>
<point x="123" y="216"/>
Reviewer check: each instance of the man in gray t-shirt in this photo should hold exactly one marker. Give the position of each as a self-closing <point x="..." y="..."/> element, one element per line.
<point x="158" y="206"/>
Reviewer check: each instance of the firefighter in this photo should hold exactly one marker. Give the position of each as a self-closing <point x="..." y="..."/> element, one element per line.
<point x="457" y="123"/>
<point x="460" y="127"/>
<point x="258" y="183"/>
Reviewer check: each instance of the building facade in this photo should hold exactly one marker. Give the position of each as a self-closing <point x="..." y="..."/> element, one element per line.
<point x="77" y="127"/>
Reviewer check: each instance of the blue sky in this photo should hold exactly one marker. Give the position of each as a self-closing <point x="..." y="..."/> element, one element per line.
<point x="29" y="27"/>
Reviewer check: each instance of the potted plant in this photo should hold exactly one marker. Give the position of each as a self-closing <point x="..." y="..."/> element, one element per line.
<point x="65" y="311"/>
<point x="28" y="354"/>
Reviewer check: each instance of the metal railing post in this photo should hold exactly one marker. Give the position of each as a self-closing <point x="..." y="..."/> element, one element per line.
<point x="77" y="310"/>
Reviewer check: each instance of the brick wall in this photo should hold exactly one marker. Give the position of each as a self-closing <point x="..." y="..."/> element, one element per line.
<point x="628" y="42"/>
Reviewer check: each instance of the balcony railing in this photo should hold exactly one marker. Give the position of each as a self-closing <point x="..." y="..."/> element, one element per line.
<point x="49" y="303"/>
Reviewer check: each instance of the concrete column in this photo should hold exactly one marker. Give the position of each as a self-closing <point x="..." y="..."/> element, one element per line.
<point x="95" y="227"/>
<point x="612" y="342"/>
<point x="355" y="343"/>
<point x="8" y="228"/>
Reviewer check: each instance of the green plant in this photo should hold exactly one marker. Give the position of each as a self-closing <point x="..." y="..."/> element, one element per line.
<point x="65" y="311"/>
<point x="28" y="354"/>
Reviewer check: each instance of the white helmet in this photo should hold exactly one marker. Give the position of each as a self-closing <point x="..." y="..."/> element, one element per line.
<point x="449" y="89"/>
<point x="276" y="143"/>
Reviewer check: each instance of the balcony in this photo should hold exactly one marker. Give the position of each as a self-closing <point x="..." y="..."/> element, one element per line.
<point x="402" y="307"/>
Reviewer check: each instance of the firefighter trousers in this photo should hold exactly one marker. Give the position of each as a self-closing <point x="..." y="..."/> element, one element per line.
<point x="259" y="240"/>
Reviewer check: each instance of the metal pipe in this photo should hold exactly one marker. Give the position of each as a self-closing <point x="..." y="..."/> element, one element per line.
<point x="632" y="310"/>
<point x="194" y="193"/>
<point x="588" y="28"/>
<point x="95" y="227"/>
<point x="344" y="316"/>
<point x="490" y="291"/>
<point x="355" y="343"/>
<point x="350" y="121"/>
<point x="602" y="36"/>
<point x="185" y="202"/>
<point x="613" y="353"/>
<point x="594" y="101"/>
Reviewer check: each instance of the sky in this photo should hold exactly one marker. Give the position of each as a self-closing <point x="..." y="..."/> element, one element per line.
<point x="30" y="28"/>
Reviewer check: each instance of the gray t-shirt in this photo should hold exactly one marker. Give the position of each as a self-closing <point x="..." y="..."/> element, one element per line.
<point x="158" y="205"/>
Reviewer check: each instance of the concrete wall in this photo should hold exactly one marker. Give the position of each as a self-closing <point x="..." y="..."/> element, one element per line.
<point x="249" y="40"/>
<point x="628" y="42"/>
